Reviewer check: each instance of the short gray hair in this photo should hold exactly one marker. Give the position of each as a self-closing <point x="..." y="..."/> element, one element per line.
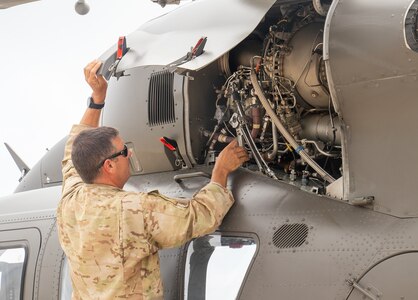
<point x="91" y="147"/>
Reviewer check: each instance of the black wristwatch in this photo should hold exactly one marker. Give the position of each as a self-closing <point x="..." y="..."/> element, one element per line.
<point x="93" y="105"/>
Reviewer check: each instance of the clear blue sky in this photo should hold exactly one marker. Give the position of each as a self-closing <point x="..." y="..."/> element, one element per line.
<point x="45" y="46"/>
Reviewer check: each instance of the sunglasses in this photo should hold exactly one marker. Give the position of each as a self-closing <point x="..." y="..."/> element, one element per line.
<point x="124" y="153"/>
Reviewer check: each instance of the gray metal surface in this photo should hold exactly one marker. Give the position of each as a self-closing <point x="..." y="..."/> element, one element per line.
<point x="46" y="172"/>
<point x="374" y="78"/>
<point x="308" y="246"/>
<point x="302" y="67"/>
<point x="171" y="265"/>
<point x="10" y="3"/>
<point x="200" y="93"/>
<point x="126" y="103"/>
<point x="187" y="25"/>
<point x="38" y="201"/>
<point x="29" y="218"/>
<point x="343" y="241"/>
<point x="380" y="281"/>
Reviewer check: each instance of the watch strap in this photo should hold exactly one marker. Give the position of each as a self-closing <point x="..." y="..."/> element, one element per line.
<point x="93" y="105"/>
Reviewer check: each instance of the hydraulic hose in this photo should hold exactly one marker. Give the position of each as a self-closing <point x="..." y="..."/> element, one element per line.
<point x="255" y="115"/>
<point x="319" y="8"/>
<point x="273" y="153"/>
<point x="282" y="129"/>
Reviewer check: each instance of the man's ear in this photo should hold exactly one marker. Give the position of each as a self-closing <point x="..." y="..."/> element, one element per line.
<point x="108" y="166"/>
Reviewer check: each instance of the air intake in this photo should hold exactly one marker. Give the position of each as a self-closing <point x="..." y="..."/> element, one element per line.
<point x="290" y="235"/>
<point x="161" y="99"/>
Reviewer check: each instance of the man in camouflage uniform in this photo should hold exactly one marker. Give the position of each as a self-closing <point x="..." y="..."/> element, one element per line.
<point x="111" y="237"/>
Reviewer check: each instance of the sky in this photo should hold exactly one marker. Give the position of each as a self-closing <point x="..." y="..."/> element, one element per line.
<point x="45" y="46"/>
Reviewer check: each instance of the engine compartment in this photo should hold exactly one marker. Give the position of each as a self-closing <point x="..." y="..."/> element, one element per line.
<point x="275" y="100"/>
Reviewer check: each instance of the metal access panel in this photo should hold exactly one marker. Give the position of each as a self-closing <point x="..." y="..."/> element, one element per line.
<point x="154" y="43"/>
<point x="152" y="99"/>
<point x="394" y="278"/>
<point x="373" y="78"/>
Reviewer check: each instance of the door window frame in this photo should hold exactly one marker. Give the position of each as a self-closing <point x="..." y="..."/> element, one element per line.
<point x="226" y="234"/>
<point x="30" y="240"/>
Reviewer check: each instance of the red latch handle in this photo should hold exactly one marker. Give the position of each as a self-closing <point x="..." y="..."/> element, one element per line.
<point x="167" y="144"/>
<point x="121" y="47"/>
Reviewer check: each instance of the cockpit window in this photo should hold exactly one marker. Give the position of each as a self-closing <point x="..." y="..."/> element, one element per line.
<point x="216" y="266"/>
<point x="411" y="26"/>
<point x="12" y="262"/>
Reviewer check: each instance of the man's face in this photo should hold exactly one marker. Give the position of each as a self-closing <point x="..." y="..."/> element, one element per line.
<point x="122" y="171"/>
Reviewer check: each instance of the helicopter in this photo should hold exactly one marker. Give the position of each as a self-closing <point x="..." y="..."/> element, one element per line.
<point x="321" y="94"/>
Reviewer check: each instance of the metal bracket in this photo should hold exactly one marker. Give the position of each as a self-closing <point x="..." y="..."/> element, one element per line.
<point x="194" y="52"/>
<point x="365" y="291"/>
<point x="362" y="201"/>
<point x="180" y="177"/>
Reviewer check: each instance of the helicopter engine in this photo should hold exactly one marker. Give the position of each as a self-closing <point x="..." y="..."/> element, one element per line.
<point x="288" y="65"/>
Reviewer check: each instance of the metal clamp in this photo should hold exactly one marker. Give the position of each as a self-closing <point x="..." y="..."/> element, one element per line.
<point x="244" y="134"/>
<point x="364" y="291"/>
<point x="362" y="201"/>
<point x="180" y="177"/>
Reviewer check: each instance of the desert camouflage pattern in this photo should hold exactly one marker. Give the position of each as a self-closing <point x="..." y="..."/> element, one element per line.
<point x="111" y="237"/>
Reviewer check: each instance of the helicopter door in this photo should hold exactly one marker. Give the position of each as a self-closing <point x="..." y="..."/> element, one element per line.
<point x="392" y="278"/>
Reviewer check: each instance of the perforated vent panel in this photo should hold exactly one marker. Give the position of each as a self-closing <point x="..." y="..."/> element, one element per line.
<point x="290" y="235"/>
<point x="161" y="99"/>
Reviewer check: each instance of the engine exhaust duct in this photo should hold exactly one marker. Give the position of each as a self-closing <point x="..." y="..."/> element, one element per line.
<point x="320" y="127"/>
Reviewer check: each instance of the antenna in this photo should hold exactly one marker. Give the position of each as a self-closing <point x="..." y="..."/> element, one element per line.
<point x="81" y="7"/>
<point x="24" y="169"/>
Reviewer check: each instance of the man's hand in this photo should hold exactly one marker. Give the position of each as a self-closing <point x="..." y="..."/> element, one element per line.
<point x="97" y="82"/>
<point x="230" y="158"/>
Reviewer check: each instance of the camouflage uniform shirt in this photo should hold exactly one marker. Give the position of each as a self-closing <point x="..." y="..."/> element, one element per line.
<point x="111" y="237"/>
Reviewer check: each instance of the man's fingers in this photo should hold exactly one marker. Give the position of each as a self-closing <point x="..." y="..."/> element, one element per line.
<point x="96" y="67"/>
<point x="97" y="82"/>
<point x="240" y="150"/>
<point x="233" y="143"/>
<point x="91" y="69"/>
<point x="88" y="68"/>
<point x="243" y="159"/>
<point x="101" y="79"/>
<point x="241" y="155"/>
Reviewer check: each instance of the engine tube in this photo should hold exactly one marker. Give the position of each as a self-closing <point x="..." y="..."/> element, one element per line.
<point x="299" y="149"/>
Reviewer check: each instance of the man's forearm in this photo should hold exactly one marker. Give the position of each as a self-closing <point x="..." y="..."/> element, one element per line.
<point x="91" y="117"/>
<point x="220" y="175"/>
